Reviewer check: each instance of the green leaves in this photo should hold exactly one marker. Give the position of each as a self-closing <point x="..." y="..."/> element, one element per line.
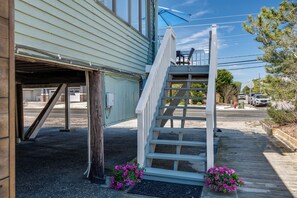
<point x="275" y="30"/>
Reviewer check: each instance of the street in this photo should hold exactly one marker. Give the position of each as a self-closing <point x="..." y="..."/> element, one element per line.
<point x="222" y="115"/>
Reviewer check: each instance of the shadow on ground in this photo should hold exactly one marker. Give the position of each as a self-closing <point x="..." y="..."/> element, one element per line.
<point x="53" y="164"/>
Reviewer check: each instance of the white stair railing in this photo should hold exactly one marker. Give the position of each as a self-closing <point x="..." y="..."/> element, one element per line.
<point x="148" y="102"/>
<point x="211" y="94"/>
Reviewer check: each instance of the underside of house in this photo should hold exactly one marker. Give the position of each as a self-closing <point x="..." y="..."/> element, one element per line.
<point x="65" y="44"/>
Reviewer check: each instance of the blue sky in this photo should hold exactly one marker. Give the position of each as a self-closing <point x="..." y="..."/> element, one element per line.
<point x="233" y="40"/>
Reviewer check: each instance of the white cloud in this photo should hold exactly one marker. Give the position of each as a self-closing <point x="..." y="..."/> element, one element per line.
<point x="185" y="3"/>
<point x="189" y="2"/>
<point x="222" y="44"/>
<point x="201" y="45"/>
<point x="229" y="28"/>
<point x="194" y="37"/>
<point x="199" y="13"/>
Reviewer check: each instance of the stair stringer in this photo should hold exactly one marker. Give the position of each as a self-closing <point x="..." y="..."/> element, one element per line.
<point x="152" y="134"/>
<point x="175" y="102"/>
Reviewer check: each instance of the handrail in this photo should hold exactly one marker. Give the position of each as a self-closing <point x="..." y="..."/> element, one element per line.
<point x="211" y="97"/>
<point x="148" y="101"/>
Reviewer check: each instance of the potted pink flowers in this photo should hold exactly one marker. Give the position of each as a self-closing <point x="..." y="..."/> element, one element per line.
<point x="222" y="179"/>
<point x="125" y="176"/>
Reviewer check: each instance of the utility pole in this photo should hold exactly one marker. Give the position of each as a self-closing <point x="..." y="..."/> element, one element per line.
<point x="260" y="83"/>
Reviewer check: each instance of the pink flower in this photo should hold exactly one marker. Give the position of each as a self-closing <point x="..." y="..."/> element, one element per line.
<point x="208" y="181"/>
<point x="221" y="169"/>
<point x="131" y="183"/>
<point x="126" y="173"/>
<point x="225" y="186"/>
<point x="216" y="178"/>
<point x="119" y="185"/>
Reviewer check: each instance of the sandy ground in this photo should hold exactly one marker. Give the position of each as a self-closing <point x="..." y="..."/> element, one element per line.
<point x="290" y="129"/>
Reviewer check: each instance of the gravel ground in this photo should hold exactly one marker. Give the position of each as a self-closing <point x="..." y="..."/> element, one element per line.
<point x="166" y="190"/>
<point x="53" y="165"/>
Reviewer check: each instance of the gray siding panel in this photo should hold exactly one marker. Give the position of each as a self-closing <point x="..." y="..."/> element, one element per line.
<point x="83" y="30"/>
<point x="126" y="95"/>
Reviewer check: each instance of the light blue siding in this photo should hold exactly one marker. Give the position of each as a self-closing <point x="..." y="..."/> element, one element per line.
<point x="126" y="95"/>
<point x="83" y="30"/>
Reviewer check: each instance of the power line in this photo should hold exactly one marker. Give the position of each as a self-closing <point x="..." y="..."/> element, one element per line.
<point x="222" y="17"/>
<point x="208" y="24"/>
<point x="220" y="37"/>
<point x="235" y="35"/>
<point x="259" y="66"/>
<point x="243" y="61"/>
<point x="249" y="63"/>
<point x="248" y="55"/>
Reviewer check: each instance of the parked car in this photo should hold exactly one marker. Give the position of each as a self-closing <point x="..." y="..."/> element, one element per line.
<point x="260" y="100"/>
<point x="250" y="98"/>
<point x="241" y="97"/>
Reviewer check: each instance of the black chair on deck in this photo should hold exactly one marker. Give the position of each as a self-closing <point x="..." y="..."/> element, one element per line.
<point x="186" y="58"/>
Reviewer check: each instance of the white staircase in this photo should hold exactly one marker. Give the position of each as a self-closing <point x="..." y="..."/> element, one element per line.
<point x="167" y="142"/>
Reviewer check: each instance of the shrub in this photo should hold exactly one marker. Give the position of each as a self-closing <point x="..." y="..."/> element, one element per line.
<point x="125" y="176"/>
<point x="281" y="117"/>
<point x="222" y="179"/>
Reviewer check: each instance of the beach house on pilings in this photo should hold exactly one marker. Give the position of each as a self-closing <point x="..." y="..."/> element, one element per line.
<point x="105" y="46"/>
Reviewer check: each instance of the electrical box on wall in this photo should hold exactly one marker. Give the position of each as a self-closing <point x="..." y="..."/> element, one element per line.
<point x="109" y="99"/>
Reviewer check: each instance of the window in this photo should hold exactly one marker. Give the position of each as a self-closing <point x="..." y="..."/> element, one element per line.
<point x="130" y="11"/>
<point x="144" y="17"/>
<point x="107" y="3"/>
<point x="135" y="14"/>
<point x="122" y="9"/>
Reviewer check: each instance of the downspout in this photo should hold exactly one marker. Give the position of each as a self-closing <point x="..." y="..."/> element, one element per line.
<point x="87" y="172"/>
<point x="156" y="27"/>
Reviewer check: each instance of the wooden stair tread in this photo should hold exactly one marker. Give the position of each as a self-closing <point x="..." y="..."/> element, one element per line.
<point x="181" y="107"/>
<point x="174" y="157"/>
<point x="187" y="89"/>
<point x="180" y="118"/>
<point x="174" y="174"/>
<point x="178" y="143"/>
<point x="189" y="130"/>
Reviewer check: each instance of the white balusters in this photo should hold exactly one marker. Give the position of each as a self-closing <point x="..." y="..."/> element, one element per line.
<point x="148" y="102"/>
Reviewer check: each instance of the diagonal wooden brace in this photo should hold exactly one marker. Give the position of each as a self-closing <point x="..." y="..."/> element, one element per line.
<point x="37" y="124"/>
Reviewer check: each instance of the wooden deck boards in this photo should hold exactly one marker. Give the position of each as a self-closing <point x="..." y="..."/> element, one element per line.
<point x="267" y="171"/>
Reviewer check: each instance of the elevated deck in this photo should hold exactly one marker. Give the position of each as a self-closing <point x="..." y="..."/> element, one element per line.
<point x="183" y="71"/>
